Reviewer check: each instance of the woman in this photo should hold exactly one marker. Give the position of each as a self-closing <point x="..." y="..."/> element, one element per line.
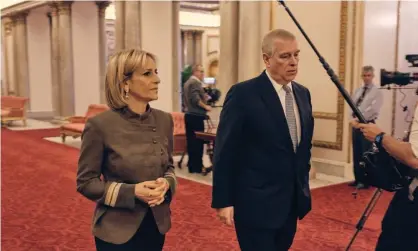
<point x="131" y="147"/>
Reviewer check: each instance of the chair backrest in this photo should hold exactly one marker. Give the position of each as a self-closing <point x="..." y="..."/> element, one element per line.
<point x="13" y="102"/>
<point x="95" y="109"/>
<point x="179" y="124"/>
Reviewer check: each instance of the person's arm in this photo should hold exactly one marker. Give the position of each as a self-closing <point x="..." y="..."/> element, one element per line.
<point x="227" y="143"/>
<point x="170" y="175"/>
<point x="195" y="89"/>
<point x="400" y="150"/>
<point x="90" y="163"/>
<point x="311" y="132"/>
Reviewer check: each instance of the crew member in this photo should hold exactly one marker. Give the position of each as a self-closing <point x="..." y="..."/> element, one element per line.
<point x="400" y="223"/>
<point x="369" y="99"/>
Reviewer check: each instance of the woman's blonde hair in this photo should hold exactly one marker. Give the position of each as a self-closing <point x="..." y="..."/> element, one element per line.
<point x="120" y="68"/>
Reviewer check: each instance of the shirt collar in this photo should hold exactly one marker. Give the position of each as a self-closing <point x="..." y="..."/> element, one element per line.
<point x="277" y="86"/>
<point x="128" y="113"/>
<point x="368" y="85"/>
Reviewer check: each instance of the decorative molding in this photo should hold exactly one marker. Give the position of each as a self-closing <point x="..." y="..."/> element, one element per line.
<point x="8" y="26"/>
<point x="64" y="7"/>
<point x="353" y="56"/>
<point x="394" y="92"/>
<point x="339" y="116"/>
<point x="110" y="38"/>
<point x="101" y="7"/>
<point x="22" y="6"/>
<point x="208" y="47"/>
<point x="205" y="6"/>
<point x="325" y="115"/>
<point x="20" y="18"/>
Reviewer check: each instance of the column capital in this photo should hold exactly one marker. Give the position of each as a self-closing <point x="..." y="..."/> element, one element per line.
<point x="54" y="8"/>
<point x="101" y="7"/>
<point x="8" y="25"/>
<point x="64" y="7"/>
<point x="188" y="34"/>
<point x="198" y="34"/>
<point x="20" y="17"/>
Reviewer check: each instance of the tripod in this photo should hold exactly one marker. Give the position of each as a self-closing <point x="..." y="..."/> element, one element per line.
<point x="367" y="211"/>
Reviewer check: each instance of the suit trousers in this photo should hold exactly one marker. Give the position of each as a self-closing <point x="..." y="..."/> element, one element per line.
<point x="195" y="146"/>
<point x="266" y="239"/>
<point x="147" y="238"/>
<point x="360" y="146"/>
<point x="400" y="224"/>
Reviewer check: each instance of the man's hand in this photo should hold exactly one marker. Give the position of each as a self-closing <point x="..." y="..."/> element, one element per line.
<point x="370" y="131"/>
<point x="226" y="215"/>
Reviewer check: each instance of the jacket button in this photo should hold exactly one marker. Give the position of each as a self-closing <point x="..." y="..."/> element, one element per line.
<point x="154" y="129"/>
<point x="155" y="142"/>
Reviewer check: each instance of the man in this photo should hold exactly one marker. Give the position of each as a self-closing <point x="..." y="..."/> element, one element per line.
<point x="400" y="223"/>
<point x="369" y="100"/>
<point x="263" y="151"/>
<point x="196" y="109"/>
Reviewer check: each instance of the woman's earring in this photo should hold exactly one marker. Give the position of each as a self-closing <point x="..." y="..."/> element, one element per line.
<point x="126" y="94"/>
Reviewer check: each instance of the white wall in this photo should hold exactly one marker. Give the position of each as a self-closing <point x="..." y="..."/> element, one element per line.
<point x="156" y="37"/>
<point x="379" y="48"/>
<point x="85" y="30"/>
<point x="407" y="44"/>
<point x="380" y="44"/>
<point x="39" y="57"/>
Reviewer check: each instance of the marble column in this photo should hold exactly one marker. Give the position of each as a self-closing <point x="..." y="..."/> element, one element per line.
<point x="128" y="24"/>
<point x="66" y="58"/>
<point x="197" y="47"/>
<point x="228" y="51"/>
<point x="21" y="54"/>
<point x="55" y="60"/>
<point x="101" y="9"/>
<point x="189" y="47"/>
<point x="250" y="39"/>
<point x="132" y="24"/>
<point x="120" y="25"/>
<point x="177" y="66"/>
<point x="9" y="83"/>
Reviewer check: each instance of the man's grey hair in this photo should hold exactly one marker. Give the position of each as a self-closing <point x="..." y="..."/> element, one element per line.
<point x="268" y="40"/>
<point x="368" y="68"/>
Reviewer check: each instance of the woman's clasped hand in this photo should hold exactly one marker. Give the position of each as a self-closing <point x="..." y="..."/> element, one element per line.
<point x="152" y="192"/>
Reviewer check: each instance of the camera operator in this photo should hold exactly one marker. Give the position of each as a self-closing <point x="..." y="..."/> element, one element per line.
<point x="400" y="223"/>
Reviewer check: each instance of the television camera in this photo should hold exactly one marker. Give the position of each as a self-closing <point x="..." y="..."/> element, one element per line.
<point x="400" y="78"/>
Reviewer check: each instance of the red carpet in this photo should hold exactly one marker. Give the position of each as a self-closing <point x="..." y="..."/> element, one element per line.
<point x="42" y="211"/>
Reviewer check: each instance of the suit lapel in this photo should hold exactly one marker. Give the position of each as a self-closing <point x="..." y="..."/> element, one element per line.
<point x="273" y="105"/>
<point x="298" y="93"/>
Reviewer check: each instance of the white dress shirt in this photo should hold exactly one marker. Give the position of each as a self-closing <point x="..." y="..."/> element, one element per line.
<point x="282" y="96"/>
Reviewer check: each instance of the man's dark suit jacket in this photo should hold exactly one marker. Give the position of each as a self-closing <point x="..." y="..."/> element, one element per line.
<point x="255" y="167"/>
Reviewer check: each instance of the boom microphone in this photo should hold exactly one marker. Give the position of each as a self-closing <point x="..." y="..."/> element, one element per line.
<point x="380" y="169"/>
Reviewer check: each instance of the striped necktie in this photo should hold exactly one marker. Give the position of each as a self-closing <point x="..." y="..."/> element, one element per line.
<point x="291" y="117"/>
